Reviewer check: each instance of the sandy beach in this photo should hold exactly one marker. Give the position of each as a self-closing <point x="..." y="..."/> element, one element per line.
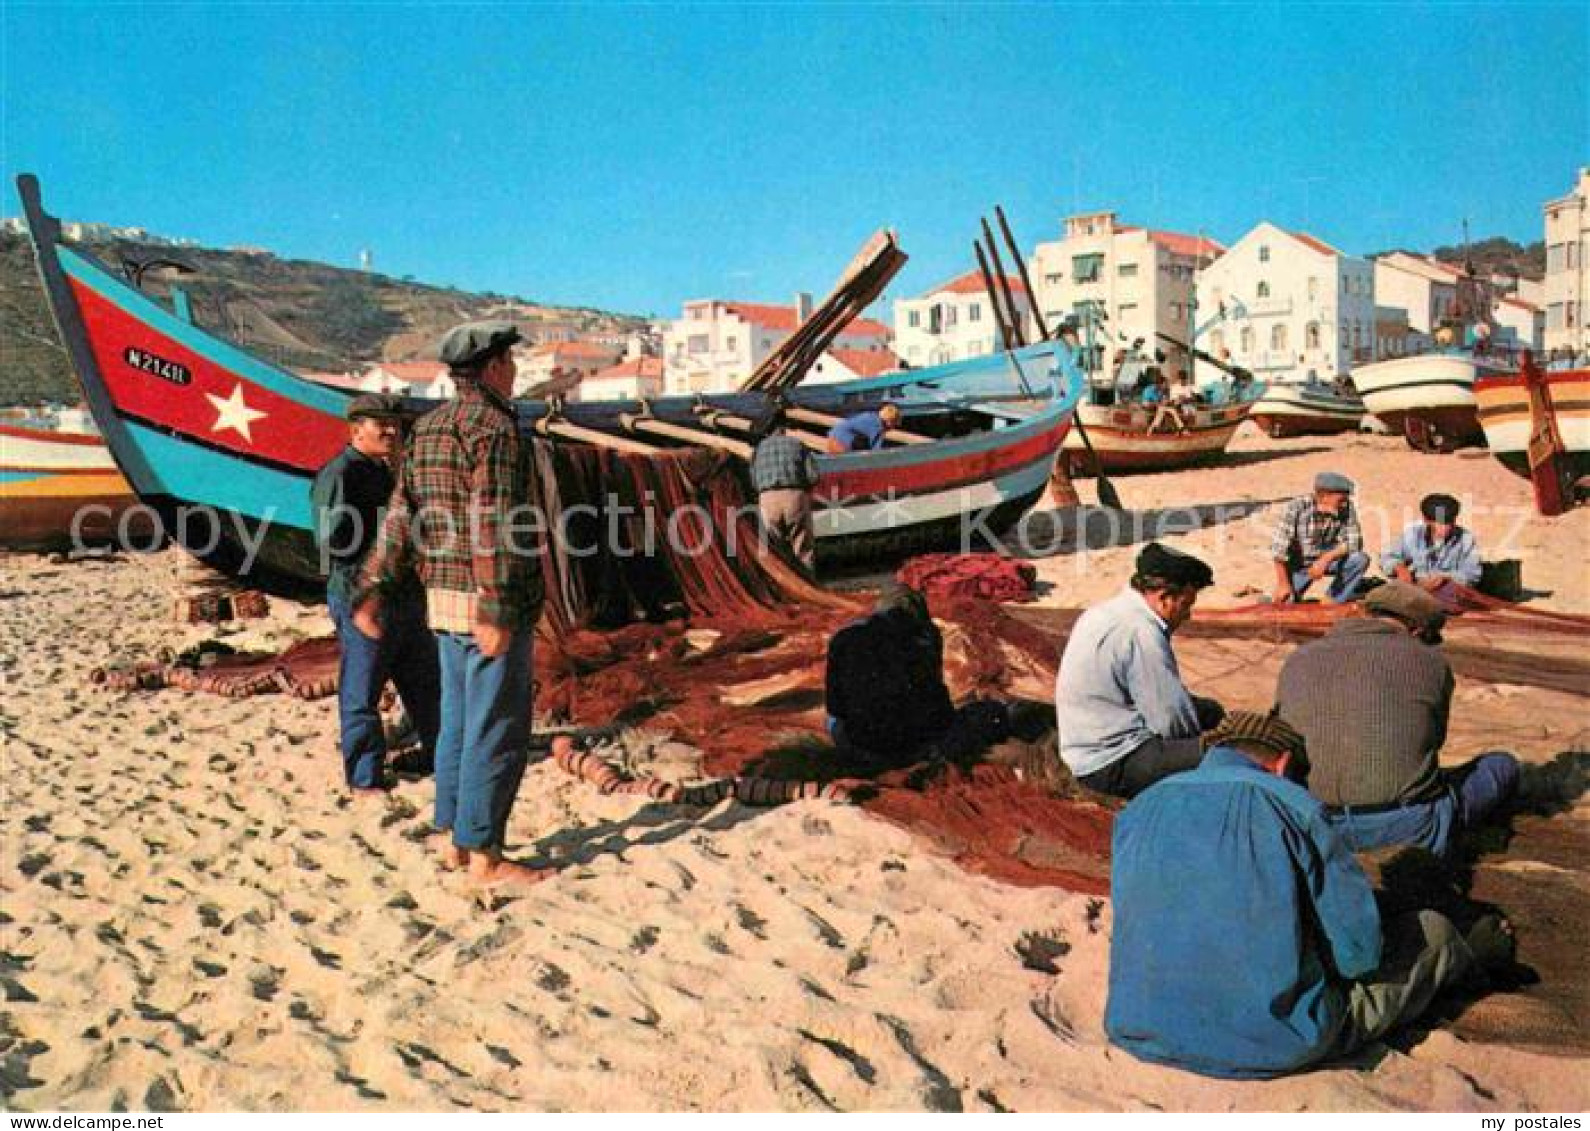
<point x="193" y="915"/>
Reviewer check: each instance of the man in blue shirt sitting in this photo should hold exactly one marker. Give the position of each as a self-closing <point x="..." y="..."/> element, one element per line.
<point x="1246" y="940"/>
<point x="863" y="432"/>
<point x="1435" y="552"/>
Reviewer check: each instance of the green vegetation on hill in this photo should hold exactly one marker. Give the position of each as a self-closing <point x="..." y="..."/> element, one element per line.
<point x="296" y="313"/>
<point x="1496" y="255"/>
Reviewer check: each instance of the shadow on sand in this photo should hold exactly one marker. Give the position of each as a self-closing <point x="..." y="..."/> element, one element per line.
<point x="1071" y="530"/>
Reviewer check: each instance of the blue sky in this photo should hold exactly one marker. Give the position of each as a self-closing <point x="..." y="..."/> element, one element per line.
<point x="635" y="156"/>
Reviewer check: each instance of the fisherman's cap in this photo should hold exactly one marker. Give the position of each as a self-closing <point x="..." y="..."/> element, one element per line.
<point x="1439" y="508"/>
<point x="376" y="406"/>
<point x="1333" y="481"/>
<point x="474" y="342"/>
<point x="1407" y="603"/>
<point x="1174" y="567"/>
<point x="1267" y="730"/>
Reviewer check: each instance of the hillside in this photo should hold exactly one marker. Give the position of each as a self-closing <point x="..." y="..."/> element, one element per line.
<point x="1497" y="255"/>
<point x="299" y="314"/>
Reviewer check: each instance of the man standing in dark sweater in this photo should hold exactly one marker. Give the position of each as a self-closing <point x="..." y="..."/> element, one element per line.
<point x="1372" y="698"/>
<point x="348" y="496"/>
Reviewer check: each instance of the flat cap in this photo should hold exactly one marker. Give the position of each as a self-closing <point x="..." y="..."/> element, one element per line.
<point x="378" y="406"/>
<point x="1173" y="566"/>
<point x="1439" y="508"/>
<point x="1333" y="481"/>
<point x="1270" y="731"/>
<point x="474" y="342"/>
<point x="1408" y="603"/>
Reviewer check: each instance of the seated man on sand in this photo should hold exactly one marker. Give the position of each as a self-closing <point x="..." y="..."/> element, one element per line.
<point x="1246" y="940"/>
<point x="1318" y="536"/>
<point x="1125" y="717"/>
<point x="1435" y="552"/>
<point x="888" y="705"/>
<point x="863" y="432"/>
<point x="1372" y="698"/>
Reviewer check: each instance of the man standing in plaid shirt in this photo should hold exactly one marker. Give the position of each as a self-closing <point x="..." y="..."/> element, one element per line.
<point x="784" y="471"/>
<point x="452" y="520"/>
<point x="1319" y="536"/>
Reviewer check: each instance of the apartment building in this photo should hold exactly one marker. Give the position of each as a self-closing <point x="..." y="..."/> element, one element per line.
<point x="1140" y="278"/>
<point x="1567" y="283"/>
<point x="954" y="321"/>
<point x="1294" y="306"/>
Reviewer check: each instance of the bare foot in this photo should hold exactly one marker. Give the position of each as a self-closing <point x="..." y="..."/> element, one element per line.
<point x="370" y="793"/>
<point x="1491" y="939"/>
<point x="449" y="857"/>
<point x="488" y="871"/>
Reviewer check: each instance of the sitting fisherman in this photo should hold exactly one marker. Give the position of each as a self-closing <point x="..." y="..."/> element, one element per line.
<point x="1435" y="553"/>
<point x="348" y="496"/>
<point x="863" y="432"/>
<point x="1372" y="697"/>
<point x="784" y="471"/>
<point x="1126" y="719"/>
<point x="887" y="702"/>
<point x="1246" y="941"/>
<point x="1318" y="536"/>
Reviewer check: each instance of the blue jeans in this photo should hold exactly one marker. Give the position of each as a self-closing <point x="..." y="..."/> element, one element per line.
<point x="1345" y="574"/>
<point x="405" y="654"/>
<point x="481" y="750"/>
<point x="1472" y="792"/>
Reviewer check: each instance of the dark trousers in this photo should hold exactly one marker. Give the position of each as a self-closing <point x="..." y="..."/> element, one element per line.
<point x="405" y="654"/>
<point x="1473" y="791"/>
<point x="976" y="726"/>
<point x="1153" y="761"/>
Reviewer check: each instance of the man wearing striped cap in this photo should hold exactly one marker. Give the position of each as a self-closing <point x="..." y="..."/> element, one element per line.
<point x="1247" y="941"/>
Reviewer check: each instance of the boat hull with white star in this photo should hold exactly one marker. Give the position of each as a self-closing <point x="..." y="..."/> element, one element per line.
<point x="224" y="446"/>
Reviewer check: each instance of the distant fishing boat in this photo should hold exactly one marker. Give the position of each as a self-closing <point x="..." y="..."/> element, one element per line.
<point x="60" y="487"/>
<point x="1429" y="398"/>
<point x="1537" y="423"/>
<point x="198" y="424"/>
<point x="1309" y="408"/>
<point x="1122" y="440"/>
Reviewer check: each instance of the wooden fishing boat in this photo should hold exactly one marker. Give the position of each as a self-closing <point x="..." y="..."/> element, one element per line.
<point x="1121" y="437"/>
<point x="1537" y="423"/>
<point x="1307" y="409"/>
<point x="224" y="446"/>
<point x="60" y="490"/>
<point x="1429" y="398"/>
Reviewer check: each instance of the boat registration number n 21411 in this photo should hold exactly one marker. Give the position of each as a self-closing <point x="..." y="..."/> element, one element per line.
<point x="171" y="371"/>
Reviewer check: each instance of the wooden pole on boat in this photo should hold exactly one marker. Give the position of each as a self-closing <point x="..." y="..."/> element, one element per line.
<point x="1006" y="336"/>
<point x="547" y="426"/>
<point x="1021" y="266"/>
<point x="639" y="422"/>
<point x="827" y="420"/>
<point x="1545" y="449"/>
<point x="1004" y="284"/>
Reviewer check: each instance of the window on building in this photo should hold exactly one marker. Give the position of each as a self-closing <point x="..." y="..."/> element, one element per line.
<point x="699" y="343"/>
<point x="1264" y="253"/>
<point x="1278" y="336"/>
<point x="949" y="315"/>
<point x="767" y="343"/>
<point x="1245" y="341"/>
<point x="914" y="318"/>
<point x="1311" y="336"/>
<point x="1086" y="268"/>
<point x="974" y="313"/>
<point x="1126" y="270"/>
<point x="1086" y="308"/>
<point x="1264" y="290"/>
<point x="1126" y="310"/>
<point x="731" y="343"/>
<point x="1554" y="316"/>
<point x="1313" y="287"/>
<point x="1176" y="312"/>
<point x="1053" y="277"/>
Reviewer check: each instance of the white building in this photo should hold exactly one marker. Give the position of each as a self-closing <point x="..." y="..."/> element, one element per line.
<point x="717" y="343"/>
<point x="1295" y="306"/>
<point x="635" y="378"/>
<point x="1567" y="284"/>
<point x="1519" y="324"/>
<point x="1427" y="289"/>
<point x="954" y="321"/>
<point x="579" y="360"/>
<point x="1140" y="278"/>
<point x="428" y="379"/>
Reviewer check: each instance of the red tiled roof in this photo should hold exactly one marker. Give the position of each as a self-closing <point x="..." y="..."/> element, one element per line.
<point x="1318" y="245"/>
<point x="574" y="349"/>
<point x="1179" y="243"/>
<point x="971" y="283"/>
<point x="634" y="367"/>
<point x="866" y="363"/>
<point x="773" y="317"/>
<point x="334" y="380"/>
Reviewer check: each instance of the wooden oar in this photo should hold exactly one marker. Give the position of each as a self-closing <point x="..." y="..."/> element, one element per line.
<point x="1108" y="495"/>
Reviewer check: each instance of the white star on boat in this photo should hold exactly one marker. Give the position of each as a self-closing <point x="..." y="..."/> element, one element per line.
<point x="233" y="413"/>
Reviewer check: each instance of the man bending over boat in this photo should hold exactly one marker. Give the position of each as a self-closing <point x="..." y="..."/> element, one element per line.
<point x="348" y="497"/>
<point x="1247" y="942"/>
<point x="1126" y="720"/>
<point x="1318" y="536"/>
<point x="863" y="432"/>
<point x="783" y="472"/>
<point x="1435" y="552"/>
<point x="454" y="520"/>
<point x="1372" y="697"/>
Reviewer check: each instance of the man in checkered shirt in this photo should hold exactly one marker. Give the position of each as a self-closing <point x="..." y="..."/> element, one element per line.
<point x="1319" y="536"/>
<point x="460" y="518"/>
